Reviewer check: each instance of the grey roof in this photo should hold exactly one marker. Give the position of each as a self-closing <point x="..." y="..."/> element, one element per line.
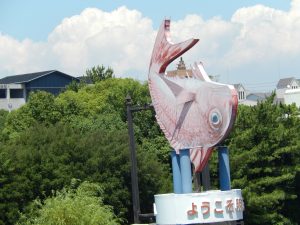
<point x="283" y="83"/>
<point x="237" y="86"/>
<point x="261" y="94"/>
<point x="24" y="78"/>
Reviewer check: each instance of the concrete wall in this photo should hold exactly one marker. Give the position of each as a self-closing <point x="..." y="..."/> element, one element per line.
<point x="12" y="103"/>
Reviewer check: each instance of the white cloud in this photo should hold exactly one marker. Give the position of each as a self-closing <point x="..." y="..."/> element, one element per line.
<point x="265" y="33"/>
<point x="252" y="42"/>
<point x="122" y="39"/>
<point x="258" y="44"/>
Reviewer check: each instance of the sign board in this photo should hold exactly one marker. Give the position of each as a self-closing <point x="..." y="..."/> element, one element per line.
<point x="205" y="207"/>
<point x="11" y="86"/>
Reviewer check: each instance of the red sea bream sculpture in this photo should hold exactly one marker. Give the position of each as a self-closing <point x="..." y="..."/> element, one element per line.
<point x="194" y="113"/>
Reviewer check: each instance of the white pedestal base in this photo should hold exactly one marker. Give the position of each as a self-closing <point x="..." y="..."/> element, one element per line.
<point x="204" y="207"/>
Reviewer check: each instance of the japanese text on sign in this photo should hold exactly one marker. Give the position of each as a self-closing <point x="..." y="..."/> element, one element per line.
<point x="216" y="207"/>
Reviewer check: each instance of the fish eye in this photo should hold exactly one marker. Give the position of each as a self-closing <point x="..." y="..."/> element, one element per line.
<point x="215" y="119"/>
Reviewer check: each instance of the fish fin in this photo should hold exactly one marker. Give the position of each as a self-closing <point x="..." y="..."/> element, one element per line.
<point x="181" y="94"/>
<point x="199" y="72"/>
<point x="200" y="156"/>
<point x="164" y="51"/>
<point x="182" y="116"/>
<point x="185" y="96"/>
<point x="175" y="88"/>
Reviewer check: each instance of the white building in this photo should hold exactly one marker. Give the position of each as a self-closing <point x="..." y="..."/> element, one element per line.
<point x="14" y="90"/>
<point x="241" y="91"/>
<point x="292" y="96"/>
<point x="12" y="96"/>
<point x="287" y="91"/>
<point x="286" y="84"/>
<point x="243" y="96"/>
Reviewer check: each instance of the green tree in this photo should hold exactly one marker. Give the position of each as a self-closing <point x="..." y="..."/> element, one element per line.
<point x="106" y="97"/>
<point x="75" y="85"/>
<point x="81" y="135"/>
<point x="265" y="158"/>
<point x="41" y="108"/>
<point x="98" y="73"/>
<point x="45" y="158"/>
<point x="3" y="116"/>
<point x="83" y="205"/>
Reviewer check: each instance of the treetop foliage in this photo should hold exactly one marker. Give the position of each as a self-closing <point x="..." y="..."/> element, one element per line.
<point x="98" y="73"/>
<point x="71" y="206"/>
<point x="79" y="134"/>
<point x="265" y="161"/>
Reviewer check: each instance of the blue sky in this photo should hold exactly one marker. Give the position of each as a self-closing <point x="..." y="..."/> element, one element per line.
<point x="35" y="19"/>
<point x="253" y="42"/>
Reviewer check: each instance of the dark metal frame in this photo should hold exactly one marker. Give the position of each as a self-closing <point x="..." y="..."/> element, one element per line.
<point x="134" y="175"/>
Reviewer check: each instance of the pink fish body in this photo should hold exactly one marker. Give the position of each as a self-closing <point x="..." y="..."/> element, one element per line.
<point x="194" y="113"/>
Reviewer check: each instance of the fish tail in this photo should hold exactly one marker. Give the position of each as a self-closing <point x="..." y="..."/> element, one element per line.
<point x="164" y="51"/>
<point x="200" y="156"/>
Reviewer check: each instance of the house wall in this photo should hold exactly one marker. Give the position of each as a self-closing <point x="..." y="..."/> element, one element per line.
<point x="248" y="102"/>
<point x="16" y="95"/>
<point x="241" y="93"/>
<point x="8" y="100"/>
<point x="292" y="96"/>
<point x="294" y="85"/>
<point x="11" y="104"/>
<point x="280" y="92"/>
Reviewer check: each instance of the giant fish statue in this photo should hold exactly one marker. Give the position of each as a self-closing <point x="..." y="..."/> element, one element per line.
<point x="194" y="113"/>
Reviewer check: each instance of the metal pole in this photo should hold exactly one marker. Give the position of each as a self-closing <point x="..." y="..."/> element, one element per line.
<point x="224" y="168"/>
<point x="134" y="176"/>
<point x="186" y="172"/>
<point x="177" y="185"/>
<point x="205" y="178"/>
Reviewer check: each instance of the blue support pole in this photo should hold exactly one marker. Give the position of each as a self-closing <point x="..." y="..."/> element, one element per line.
<point x="224" y="168"/>
<point x="177" y="185"/>
<point x="186" y="173"/>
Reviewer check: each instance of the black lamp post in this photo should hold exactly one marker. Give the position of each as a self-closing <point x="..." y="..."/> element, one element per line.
<point x="134" y="176"/>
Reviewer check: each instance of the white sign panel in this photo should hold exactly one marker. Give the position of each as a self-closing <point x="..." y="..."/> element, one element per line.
<point x="205" y="207"/>
<point x="11" y="86"/>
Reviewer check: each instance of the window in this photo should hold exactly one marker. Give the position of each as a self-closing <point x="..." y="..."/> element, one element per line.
<point x="16" y="93"/>
<point x="2" y="93"/>
<point x="241" y="95"/>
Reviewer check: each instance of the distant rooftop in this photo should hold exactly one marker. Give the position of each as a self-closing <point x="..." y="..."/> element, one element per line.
<point x="236" y="86"/>
<point x="283" y="83"/>
<point x="262" y="94"/>
<point x="180" y="71"/>
<point x="24" y="78"/>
